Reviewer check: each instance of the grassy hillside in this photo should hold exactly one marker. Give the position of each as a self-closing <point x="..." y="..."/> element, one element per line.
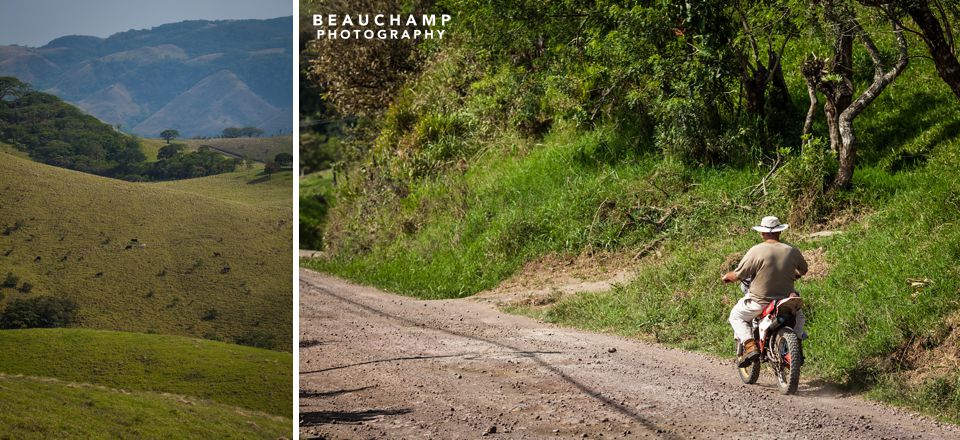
<point x="261" y="149"/>
<point x="484" y="163"/>
<point x="35" y="408"/>
<point x="149" y="258"/>
<point x="249" y="186"/>
<point x="244" y="377"/>
<point x="151" y="147"/>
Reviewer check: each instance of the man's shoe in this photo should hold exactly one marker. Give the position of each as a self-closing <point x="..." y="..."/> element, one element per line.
<point x="750" y="354"/>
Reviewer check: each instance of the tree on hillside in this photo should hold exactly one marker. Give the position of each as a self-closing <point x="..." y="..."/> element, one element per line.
<point x="935" y="30"/>
<point x="271" y="167"/>
<point x="169" y="135"/>
<point x="170" y="150"/>
<point x="251" y="131"/>
<point x="38" y="312"/>
<point x="766" y="29"/>
<point x="248" y="131"/>
<point x="12" y="87"/>
<point x="833" y="76"/>
<point x="284" y="159"/>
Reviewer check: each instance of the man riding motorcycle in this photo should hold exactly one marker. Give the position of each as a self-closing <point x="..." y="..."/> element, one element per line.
<point x="767" y="273"/>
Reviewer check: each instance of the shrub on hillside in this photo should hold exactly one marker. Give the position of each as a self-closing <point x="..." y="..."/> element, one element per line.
<point x="258" y="339"/>
<point x="804" y="181"/>
<point x="38" y="312"/>
<point x="10" y="281"/>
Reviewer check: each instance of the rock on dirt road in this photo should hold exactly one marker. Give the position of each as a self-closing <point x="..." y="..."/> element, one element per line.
<point x="377" y="365"/>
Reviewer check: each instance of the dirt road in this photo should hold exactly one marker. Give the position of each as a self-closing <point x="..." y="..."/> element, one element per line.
<point x="376" y="365"/>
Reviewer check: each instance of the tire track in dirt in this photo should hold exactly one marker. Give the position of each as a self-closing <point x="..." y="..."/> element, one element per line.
<point x="378" y="365"/>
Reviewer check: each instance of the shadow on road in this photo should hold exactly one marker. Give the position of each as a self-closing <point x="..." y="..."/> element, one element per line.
<point x="622" y="409"/>
<point x="315" y="418"/>
<point x="306" y="394"/>
<point x="467" y="356"/>
<point x="311" y="343"/>
<point x="812" y="388"/>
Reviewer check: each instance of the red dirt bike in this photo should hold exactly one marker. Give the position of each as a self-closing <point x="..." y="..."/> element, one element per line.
<point x="779" y="345"/>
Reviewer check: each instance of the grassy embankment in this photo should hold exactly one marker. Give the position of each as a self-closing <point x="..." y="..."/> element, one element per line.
<point x="574" y="192"/>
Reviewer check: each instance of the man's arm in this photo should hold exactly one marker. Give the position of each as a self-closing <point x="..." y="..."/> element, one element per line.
<point x="802" y="266"/>
<point x="744" y="270"/>
<point x="729" y="277"/>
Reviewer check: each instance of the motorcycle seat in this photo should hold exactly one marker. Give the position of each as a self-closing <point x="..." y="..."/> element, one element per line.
<point x="786" y="306"/>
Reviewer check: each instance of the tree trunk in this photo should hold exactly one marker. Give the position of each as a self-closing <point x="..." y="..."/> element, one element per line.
<point x="779" y="92"/>
<point x="754" y="88"/>
<point x="812" y="110"/>
<point x="838" y="94"/>
<point x="940" y="50"/>
<point x="881" y="79"/>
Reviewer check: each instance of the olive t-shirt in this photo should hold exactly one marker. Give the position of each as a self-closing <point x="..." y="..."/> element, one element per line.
<point x="771" y="267"/>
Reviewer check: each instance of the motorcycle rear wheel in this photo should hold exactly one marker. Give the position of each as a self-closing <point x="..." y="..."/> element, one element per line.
<point x="750" y="373"/>
<point x="788" y="375"/>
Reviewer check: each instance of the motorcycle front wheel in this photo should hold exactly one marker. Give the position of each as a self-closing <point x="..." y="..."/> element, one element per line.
<point x="750" y="373"/>
<point x="788" y="348"/>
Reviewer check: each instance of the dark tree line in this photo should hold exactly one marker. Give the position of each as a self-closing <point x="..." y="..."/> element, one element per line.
<point x="235" y="132"/>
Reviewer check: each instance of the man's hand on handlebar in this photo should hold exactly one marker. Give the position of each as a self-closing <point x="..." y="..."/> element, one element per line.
<point x="729" y="277"/>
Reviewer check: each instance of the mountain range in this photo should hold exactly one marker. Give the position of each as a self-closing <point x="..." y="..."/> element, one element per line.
<point x="197" y="77"/>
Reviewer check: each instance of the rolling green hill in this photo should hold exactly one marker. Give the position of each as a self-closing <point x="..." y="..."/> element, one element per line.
<point x="247" y="185"/>
<point x="229" y="374"/>
<point x="36" y="408"/>
<point x="150" y="258"/>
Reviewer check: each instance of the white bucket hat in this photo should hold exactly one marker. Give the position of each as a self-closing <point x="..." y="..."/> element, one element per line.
<point x="770" y="224"/>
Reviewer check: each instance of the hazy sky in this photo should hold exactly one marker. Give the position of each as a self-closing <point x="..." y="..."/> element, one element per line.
<point x="36" y="22"/>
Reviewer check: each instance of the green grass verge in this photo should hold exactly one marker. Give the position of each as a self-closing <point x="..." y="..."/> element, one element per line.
<point x="234" y="375"/>
<point x="35" y="408"/>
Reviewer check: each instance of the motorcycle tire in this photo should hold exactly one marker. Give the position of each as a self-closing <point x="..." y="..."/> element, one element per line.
<point x="750" y="373"/>
<point x="788" y="376"/>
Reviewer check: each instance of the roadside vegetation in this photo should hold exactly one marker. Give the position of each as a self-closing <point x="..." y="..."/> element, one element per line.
<point x="662" y="132"/>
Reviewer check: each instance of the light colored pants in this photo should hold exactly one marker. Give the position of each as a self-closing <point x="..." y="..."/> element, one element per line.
<point x="741" y="319"/>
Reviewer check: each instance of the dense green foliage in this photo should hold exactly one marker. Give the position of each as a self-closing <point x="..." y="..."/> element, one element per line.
<point x="37" y="312"/>
<point x="59" y="134"/>
<point x="316" y="194"/>
<point x="634" y="128"/>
